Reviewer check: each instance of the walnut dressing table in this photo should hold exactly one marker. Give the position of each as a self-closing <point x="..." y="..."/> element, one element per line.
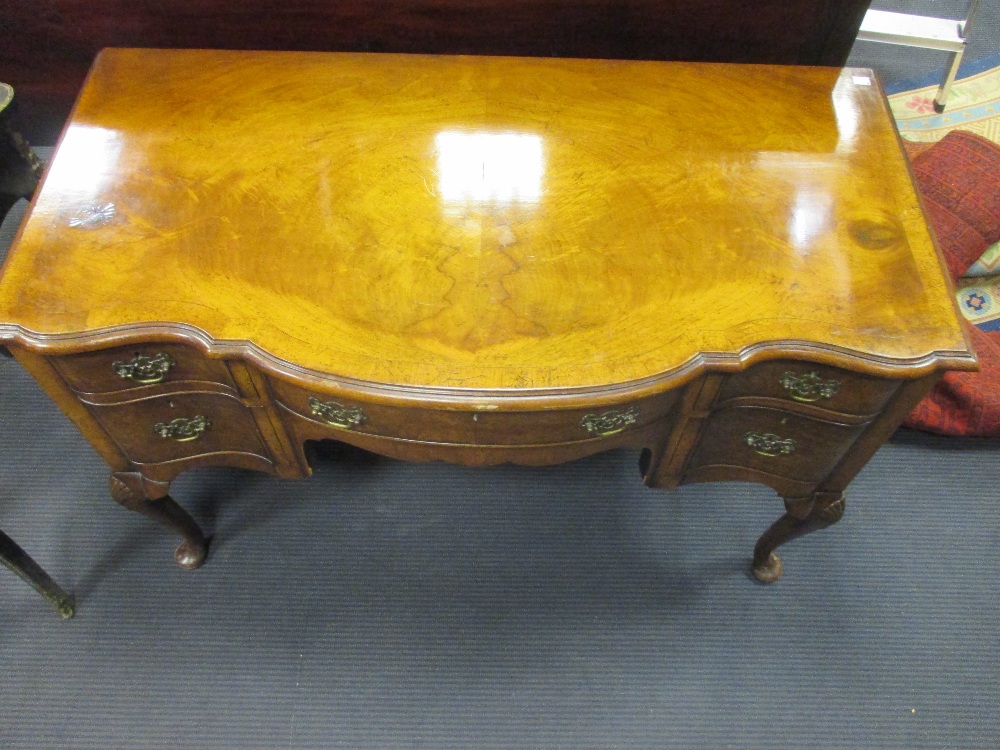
<point x="480" y="260"/>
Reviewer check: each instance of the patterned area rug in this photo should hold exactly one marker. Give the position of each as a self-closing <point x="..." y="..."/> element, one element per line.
<point x="974" y="105"/>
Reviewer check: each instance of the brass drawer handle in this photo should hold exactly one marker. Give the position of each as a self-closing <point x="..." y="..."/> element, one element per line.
<point x="809" y="387"/>
<point x="336" y="414"/>
<point x="770" y="445"/>
<point x="610" y="422"/>
<point x="143" y="369"/>
<point x="182" y="430"/>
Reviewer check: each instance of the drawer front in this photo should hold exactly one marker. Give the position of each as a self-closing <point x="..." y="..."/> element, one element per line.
<point x="180" y="425"/>
<point x="571" y="425"/>
<point x="128" y="367"/>
<point x="345" y="414"/>
<point x="807" y="383"/>
<point x="471" y="426"/>
<point x="773" y="441"/>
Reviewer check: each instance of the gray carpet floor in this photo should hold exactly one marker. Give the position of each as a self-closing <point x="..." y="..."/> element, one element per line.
<point x="391" y="605"/>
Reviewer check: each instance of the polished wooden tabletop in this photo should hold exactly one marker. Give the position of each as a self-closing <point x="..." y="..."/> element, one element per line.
<point x="489" y="223"/>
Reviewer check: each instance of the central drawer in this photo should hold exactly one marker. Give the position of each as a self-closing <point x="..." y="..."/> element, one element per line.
<point x="474" y="425"/>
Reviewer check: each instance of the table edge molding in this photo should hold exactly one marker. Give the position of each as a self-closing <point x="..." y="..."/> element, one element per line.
<point x="864" y="363"/>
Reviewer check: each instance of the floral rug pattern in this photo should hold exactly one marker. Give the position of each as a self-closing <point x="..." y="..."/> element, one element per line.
<point x="974" y="105"/>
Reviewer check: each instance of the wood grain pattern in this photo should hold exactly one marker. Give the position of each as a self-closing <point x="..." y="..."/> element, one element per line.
<point x="96" y="372"/>
<point x="480" y="260"/>
<point x="850" y="394"/>
<point x="818" y="444"/>
<point x="485" y="223"/>
<point x="132" y="423"/>
<point x="49" y="44"/>
<point x="464" y="424"/>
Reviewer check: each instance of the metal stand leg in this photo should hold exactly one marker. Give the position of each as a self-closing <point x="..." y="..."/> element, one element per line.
<point x="954" y="60"/>
<point x="926" y="32"/>
<point x="21" y="563"/>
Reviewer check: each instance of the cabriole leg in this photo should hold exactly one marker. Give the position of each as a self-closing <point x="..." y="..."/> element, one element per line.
<point x="802" y="516"/>
<point x="151" y="499"/>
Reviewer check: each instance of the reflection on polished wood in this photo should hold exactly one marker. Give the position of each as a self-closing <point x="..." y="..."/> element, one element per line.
<point x="482" y="223"/>
<point x="481" y="260"/>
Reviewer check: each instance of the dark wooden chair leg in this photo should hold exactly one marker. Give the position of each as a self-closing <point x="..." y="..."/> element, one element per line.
<point x="802" y="516"/>
<point x="21" y="563"/>
<point x="152" y="500"/>
<point x="20" y="169"/>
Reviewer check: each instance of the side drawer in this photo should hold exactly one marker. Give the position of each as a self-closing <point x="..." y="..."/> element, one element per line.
<point x="125" y="367"/>
<point x="180" y="425"/>
<point x="774" y="442"/>
<point x="471" y="426"/>
<point x="807" y="383"/>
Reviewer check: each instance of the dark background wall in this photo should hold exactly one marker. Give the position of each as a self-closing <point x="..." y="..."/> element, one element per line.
<point x="48" y="45"/>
